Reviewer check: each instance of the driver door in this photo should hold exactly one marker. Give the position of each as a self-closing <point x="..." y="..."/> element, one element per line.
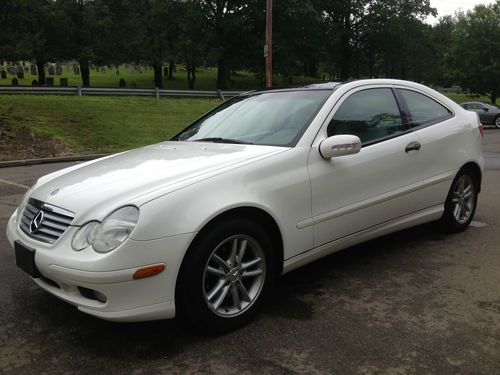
<point x="356" y="192"/>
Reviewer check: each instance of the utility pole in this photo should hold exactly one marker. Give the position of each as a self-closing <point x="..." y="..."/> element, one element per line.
<point x="268" y="48"/>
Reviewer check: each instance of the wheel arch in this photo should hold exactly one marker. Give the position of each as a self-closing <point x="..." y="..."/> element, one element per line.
<point x="478" y="174"/>
<point x="260" y="216"/>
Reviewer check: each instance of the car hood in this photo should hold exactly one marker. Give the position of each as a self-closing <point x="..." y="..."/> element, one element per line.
<point x="93" y="189"/>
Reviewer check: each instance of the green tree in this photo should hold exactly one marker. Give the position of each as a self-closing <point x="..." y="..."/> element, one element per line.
<point x="474" y="56"/>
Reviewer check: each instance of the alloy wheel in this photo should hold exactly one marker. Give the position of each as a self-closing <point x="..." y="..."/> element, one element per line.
<point x="463" y="199"/>
<point x="234" y="275"/>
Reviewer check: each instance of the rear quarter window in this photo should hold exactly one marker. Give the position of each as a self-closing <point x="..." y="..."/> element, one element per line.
<point x="423" y="110"/>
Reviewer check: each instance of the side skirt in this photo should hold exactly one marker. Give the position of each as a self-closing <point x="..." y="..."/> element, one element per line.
<point x="414" y="219"/>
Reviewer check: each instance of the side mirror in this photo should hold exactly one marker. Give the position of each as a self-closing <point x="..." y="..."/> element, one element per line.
<point x="485" y="109"/>
<point x="339" y="145"/>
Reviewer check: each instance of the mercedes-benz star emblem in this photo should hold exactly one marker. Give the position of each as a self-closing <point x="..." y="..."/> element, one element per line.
<point x="36" y="222"/>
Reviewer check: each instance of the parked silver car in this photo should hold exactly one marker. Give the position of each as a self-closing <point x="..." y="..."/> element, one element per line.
<point x="489" y="114"/>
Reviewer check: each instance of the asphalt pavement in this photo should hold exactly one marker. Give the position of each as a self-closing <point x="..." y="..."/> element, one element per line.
<point x="414" y="302"/>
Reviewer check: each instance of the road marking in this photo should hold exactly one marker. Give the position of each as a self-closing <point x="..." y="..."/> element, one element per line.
<point x="478" y="224"/>
<point x="14" y="184"/>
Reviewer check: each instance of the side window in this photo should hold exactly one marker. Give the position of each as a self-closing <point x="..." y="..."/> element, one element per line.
<point x="370" y="114"/>
<point x="423" y="110"/>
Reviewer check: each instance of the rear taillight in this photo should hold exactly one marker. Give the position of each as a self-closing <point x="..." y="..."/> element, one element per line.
<point x="481" y="130"/>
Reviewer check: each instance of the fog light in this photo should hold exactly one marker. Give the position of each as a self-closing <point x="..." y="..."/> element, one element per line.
<point x="100" y="297"/>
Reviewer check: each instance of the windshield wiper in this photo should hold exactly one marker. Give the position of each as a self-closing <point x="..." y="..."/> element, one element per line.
<point x="223" y="140"/>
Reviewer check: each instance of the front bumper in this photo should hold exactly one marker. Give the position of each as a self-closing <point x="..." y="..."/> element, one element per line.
<point x="75" y="277"/>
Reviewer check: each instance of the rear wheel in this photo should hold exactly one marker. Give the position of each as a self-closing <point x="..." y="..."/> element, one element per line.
<point x="225" y="276"/>
<point x="497" y="122"/>
<point x="461" y="202"/>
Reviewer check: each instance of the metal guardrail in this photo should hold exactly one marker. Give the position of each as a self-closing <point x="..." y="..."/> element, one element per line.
<point x="80" y="91"/>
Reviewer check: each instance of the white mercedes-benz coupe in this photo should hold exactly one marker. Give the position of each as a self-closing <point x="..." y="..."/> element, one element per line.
<point x="201" y="225"/>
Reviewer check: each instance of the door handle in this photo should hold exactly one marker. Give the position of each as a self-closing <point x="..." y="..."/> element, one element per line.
<point x="413" y="146"/>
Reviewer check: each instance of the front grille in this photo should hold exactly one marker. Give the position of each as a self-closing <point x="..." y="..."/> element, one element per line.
<point x="47" y="226"/>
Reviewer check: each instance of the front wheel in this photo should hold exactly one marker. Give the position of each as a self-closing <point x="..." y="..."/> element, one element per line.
<point x="225" y="276"/>
<point x="461" y="202"/>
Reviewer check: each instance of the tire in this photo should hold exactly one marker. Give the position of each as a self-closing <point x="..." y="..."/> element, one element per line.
<point x="497" y="122"/>
<point x="461" y="202"/>
<point x="218" y="291"/>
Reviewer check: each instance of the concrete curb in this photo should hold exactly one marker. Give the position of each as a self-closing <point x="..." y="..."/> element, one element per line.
<point x="59" y="159"/>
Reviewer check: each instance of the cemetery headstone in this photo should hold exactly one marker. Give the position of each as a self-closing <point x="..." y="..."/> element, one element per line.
<point x="117" y="73"/>
<point x="12" y="69"/>
<point x="63" y="82"/>
<point x="34" y="83"/>
<point x="20" y="72"/>
<point x="3" y="74"/>
<point x="15" y="82"/>
<point x="165" y="71"/>
<point x="122" y="83"/>
<point x="76" y="70"/>
<point x="49" y="81"/>
<point x="59" y="69"/>
<point x="51" y="70"/>
<point x="33" y="70"/>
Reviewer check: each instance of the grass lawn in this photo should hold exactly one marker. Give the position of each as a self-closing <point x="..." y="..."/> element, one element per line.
<point x="33" y="126"/>
<point x="205" y="79"/>
<point x="77" y="125"/>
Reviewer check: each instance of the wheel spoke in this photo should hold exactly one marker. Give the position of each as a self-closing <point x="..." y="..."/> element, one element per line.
<point x="244" y="292"/>
<point x="216" y="289"/>
<point x="243" y="248"/>
<point x="221" y="297"/>
<point x="253" y="273"/>
<point x="217" y="259"/>
<point x="250" y="264"/>
<point x="234" y="250"/>
<point x="215" y="271"/>
<point x="456" y="211"/>
<point x="236" y="297"/>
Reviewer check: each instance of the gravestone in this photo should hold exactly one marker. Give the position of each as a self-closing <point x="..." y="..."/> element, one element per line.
<point x="12" y="69"/>
<point x="20" y="72"/>
<point x="59" y="69"/>
<point x="63" y="82"/>
<point x="49" y="81"/>
<point x="76" y="70"/>
<point x="51" y="70"/>
<point x="102" y="69"/>
<point x="165" y="71"/>
<point x="15" y="82"/>
<point x="117" y="73"/>
<point x="3" y="74"/>
<point x="33" y="69"/>
<point x="34" y="83"/>
<point x="122" y="83"/>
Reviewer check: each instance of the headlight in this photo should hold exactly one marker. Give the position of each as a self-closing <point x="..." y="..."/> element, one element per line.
<point x="109" y="234"/>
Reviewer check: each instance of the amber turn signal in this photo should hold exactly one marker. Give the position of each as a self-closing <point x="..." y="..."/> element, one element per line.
<point x="149" y="271"/>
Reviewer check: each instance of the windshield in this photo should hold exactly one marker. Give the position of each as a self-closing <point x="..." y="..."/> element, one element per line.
<point x="270" y="118"/>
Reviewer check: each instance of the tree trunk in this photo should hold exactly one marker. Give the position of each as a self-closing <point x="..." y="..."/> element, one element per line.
<point x="158" y="75"/>
<point x="191" y="76"/>
<point x="171" y="67"/>
<point x="85" y="72"/>
<point x="221" y="74"/>
<point x="493" y="96"/>
<point x="40" y="67"/>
